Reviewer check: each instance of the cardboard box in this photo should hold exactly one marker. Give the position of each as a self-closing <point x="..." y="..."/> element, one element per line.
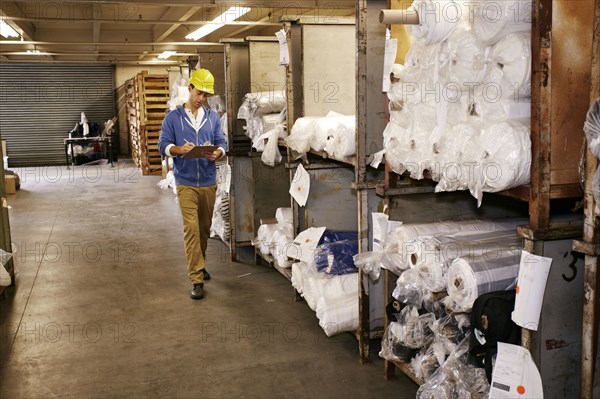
<point x="10" y="184"/>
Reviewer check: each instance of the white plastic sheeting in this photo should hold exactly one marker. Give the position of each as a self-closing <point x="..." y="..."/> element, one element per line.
<point x="437" y="19"/>
<point x="221" y="225"/>
<point x="333" y="298"/>
<point x="333" y="133"/>
<point x="276" y="238"/>
<point x="592" y="132"/>
<point x="457" y="102"/>
<point x="493" y="20"/>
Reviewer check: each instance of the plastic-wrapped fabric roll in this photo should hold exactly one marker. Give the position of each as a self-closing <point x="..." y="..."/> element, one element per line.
<point x="325" y="127"/>
<point x="493" y="21"/>
<point x="415" y="332"/>
<point x="409" y="288"/>
<point x="437" y="19"/>
<point x="455" y="154"/>
<point x="391" y="346"/>
<point x="341" y="143"/>
<point x="339" y="315"/>
<point x="463" y="61"/>
<point x="469" y="279"/>
<point x="506" y="158"/>
<point x="282" y="240"/>
<point x="433" y="265"/>
<point x="265" y="237"/>
<point x="510" y="66"/>
<point x="267" y="102"/>
<point x="299" y="138"/>
<point x="496" y="110"/>
<point x="403" y="236"/>
<point x="336" y="258"/>
<point x="284" y="215"/>
<point x="313" y="285"/>
<point x="270" y="121"/>
<point x="298" y="271"/>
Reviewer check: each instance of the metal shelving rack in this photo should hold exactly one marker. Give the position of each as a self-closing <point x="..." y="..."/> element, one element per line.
<point x="556" y="136"/>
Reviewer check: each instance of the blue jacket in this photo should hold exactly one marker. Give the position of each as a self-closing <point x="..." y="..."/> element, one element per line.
<point x="176" y="128"/>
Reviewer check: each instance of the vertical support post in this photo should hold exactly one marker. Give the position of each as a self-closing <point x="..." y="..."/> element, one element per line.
<point x="231" y="120"/>
<point x="360" y="174"/>
<point x="591" y="236"/>
<point x="541" y="108"/>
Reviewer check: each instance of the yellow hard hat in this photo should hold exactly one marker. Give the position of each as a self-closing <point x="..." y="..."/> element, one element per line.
<point x="203" y="80"/>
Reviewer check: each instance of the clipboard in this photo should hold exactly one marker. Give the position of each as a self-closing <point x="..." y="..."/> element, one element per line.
<point x="200" y="151"/>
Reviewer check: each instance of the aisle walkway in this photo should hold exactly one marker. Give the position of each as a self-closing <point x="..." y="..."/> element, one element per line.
<point x="101" y="306"/>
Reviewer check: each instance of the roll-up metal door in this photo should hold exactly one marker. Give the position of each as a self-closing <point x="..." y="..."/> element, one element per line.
<point x="40" y="105"/>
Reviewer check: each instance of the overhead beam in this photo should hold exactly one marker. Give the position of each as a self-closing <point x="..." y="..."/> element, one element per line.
<point x="325" y="4"/>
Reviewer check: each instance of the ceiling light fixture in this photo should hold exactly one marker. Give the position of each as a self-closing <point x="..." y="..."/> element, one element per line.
<point x="166" y="54"/>
<point x="6" y="30"/>
<point x="230" y="15"/>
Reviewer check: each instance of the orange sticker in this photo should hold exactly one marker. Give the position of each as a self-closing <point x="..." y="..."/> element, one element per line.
<point x="307" y="240"/>
<point x="521" y="390"/>
<point x="299" y="188"/>
<point x="518" y="289"/>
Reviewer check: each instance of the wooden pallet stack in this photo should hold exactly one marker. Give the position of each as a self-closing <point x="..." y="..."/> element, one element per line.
<point x="147" y="99"/>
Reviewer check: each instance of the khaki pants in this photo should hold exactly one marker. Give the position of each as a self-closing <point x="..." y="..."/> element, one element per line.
<point x="196" y="205"/>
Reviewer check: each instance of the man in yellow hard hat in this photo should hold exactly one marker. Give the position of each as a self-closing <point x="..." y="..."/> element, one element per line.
<point x="183" y="129"/>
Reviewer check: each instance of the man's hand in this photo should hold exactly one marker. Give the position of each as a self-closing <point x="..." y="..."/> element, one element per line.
<point x="182" y="149"/>
<point x="213" y="156"/>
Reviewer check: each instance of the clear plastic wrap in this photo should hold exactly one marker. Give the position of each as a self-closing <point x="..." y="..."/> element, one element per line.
<point x="271" y="155"/>
<point x="409" y="288"/>
<point x="415" y="332"/>
<point x="424" y="364"/>
<point x="505" y="160"/>
<point x="493" y="21"/>
<point x="370" y="263"/>
<point x="299" y="138"/>
<point x="456" y="378"/>
<point x="437" y="19"/>
<point x="338" y="315"/>
<point x="463" y="60"/>
<point x="391" y="346"/>
<point x="336" y="258"/>
<point x="510" y="66"/>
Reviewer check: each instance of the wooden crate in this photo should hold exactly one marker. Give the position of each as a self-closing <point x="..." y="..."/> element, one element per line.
<point x="147" y="100"/>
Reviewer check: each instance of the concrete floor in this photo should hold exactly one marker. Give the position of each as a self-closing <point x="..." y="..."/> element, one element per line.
<point x="101" y="306"/>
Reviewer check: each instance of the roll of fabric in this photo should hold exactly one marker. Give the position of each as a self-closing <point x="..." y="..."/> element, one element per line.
<point x="403" y="236"/>
<point x="468" y="279"/>
<point x="284" y="215"/>
<point x="270" y="122"/>
<point x="409" y="288"/>
<point x="339" y="315"/>
<point x="510" y="65"/>
<point x="282" y="239"/>
<point x="336" y="258"/>
<point x="506" y="156"/>
<point x="297" y="279"/>
<point x="299" y="138"/>
<point x="439" y="252"/>
<point x="267" y="102"/>
<point x="591" y="128"/>
<point x="493" y="21"/>
<point x="437" y="19"/>
<point x="265" y="237"/>
<point x="496" y="110"/>
<point x="341" y="142"/>
<point x="463" y="61"/>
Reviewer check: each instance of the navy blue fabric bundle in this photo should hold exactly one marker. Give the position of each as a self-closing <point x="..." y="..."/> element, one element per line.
<point x="335" y="253"/>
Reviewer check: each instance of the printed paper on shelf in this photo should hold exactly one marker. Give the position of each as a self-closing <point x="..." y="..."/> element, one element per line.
<point x="515" y="374"/>
<point x="300" y="186"/>
<point x="391" y="47"/>
<point x="304" y="245"/>
<point x="531" y="285"/>
<point x="284" y="54"/>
